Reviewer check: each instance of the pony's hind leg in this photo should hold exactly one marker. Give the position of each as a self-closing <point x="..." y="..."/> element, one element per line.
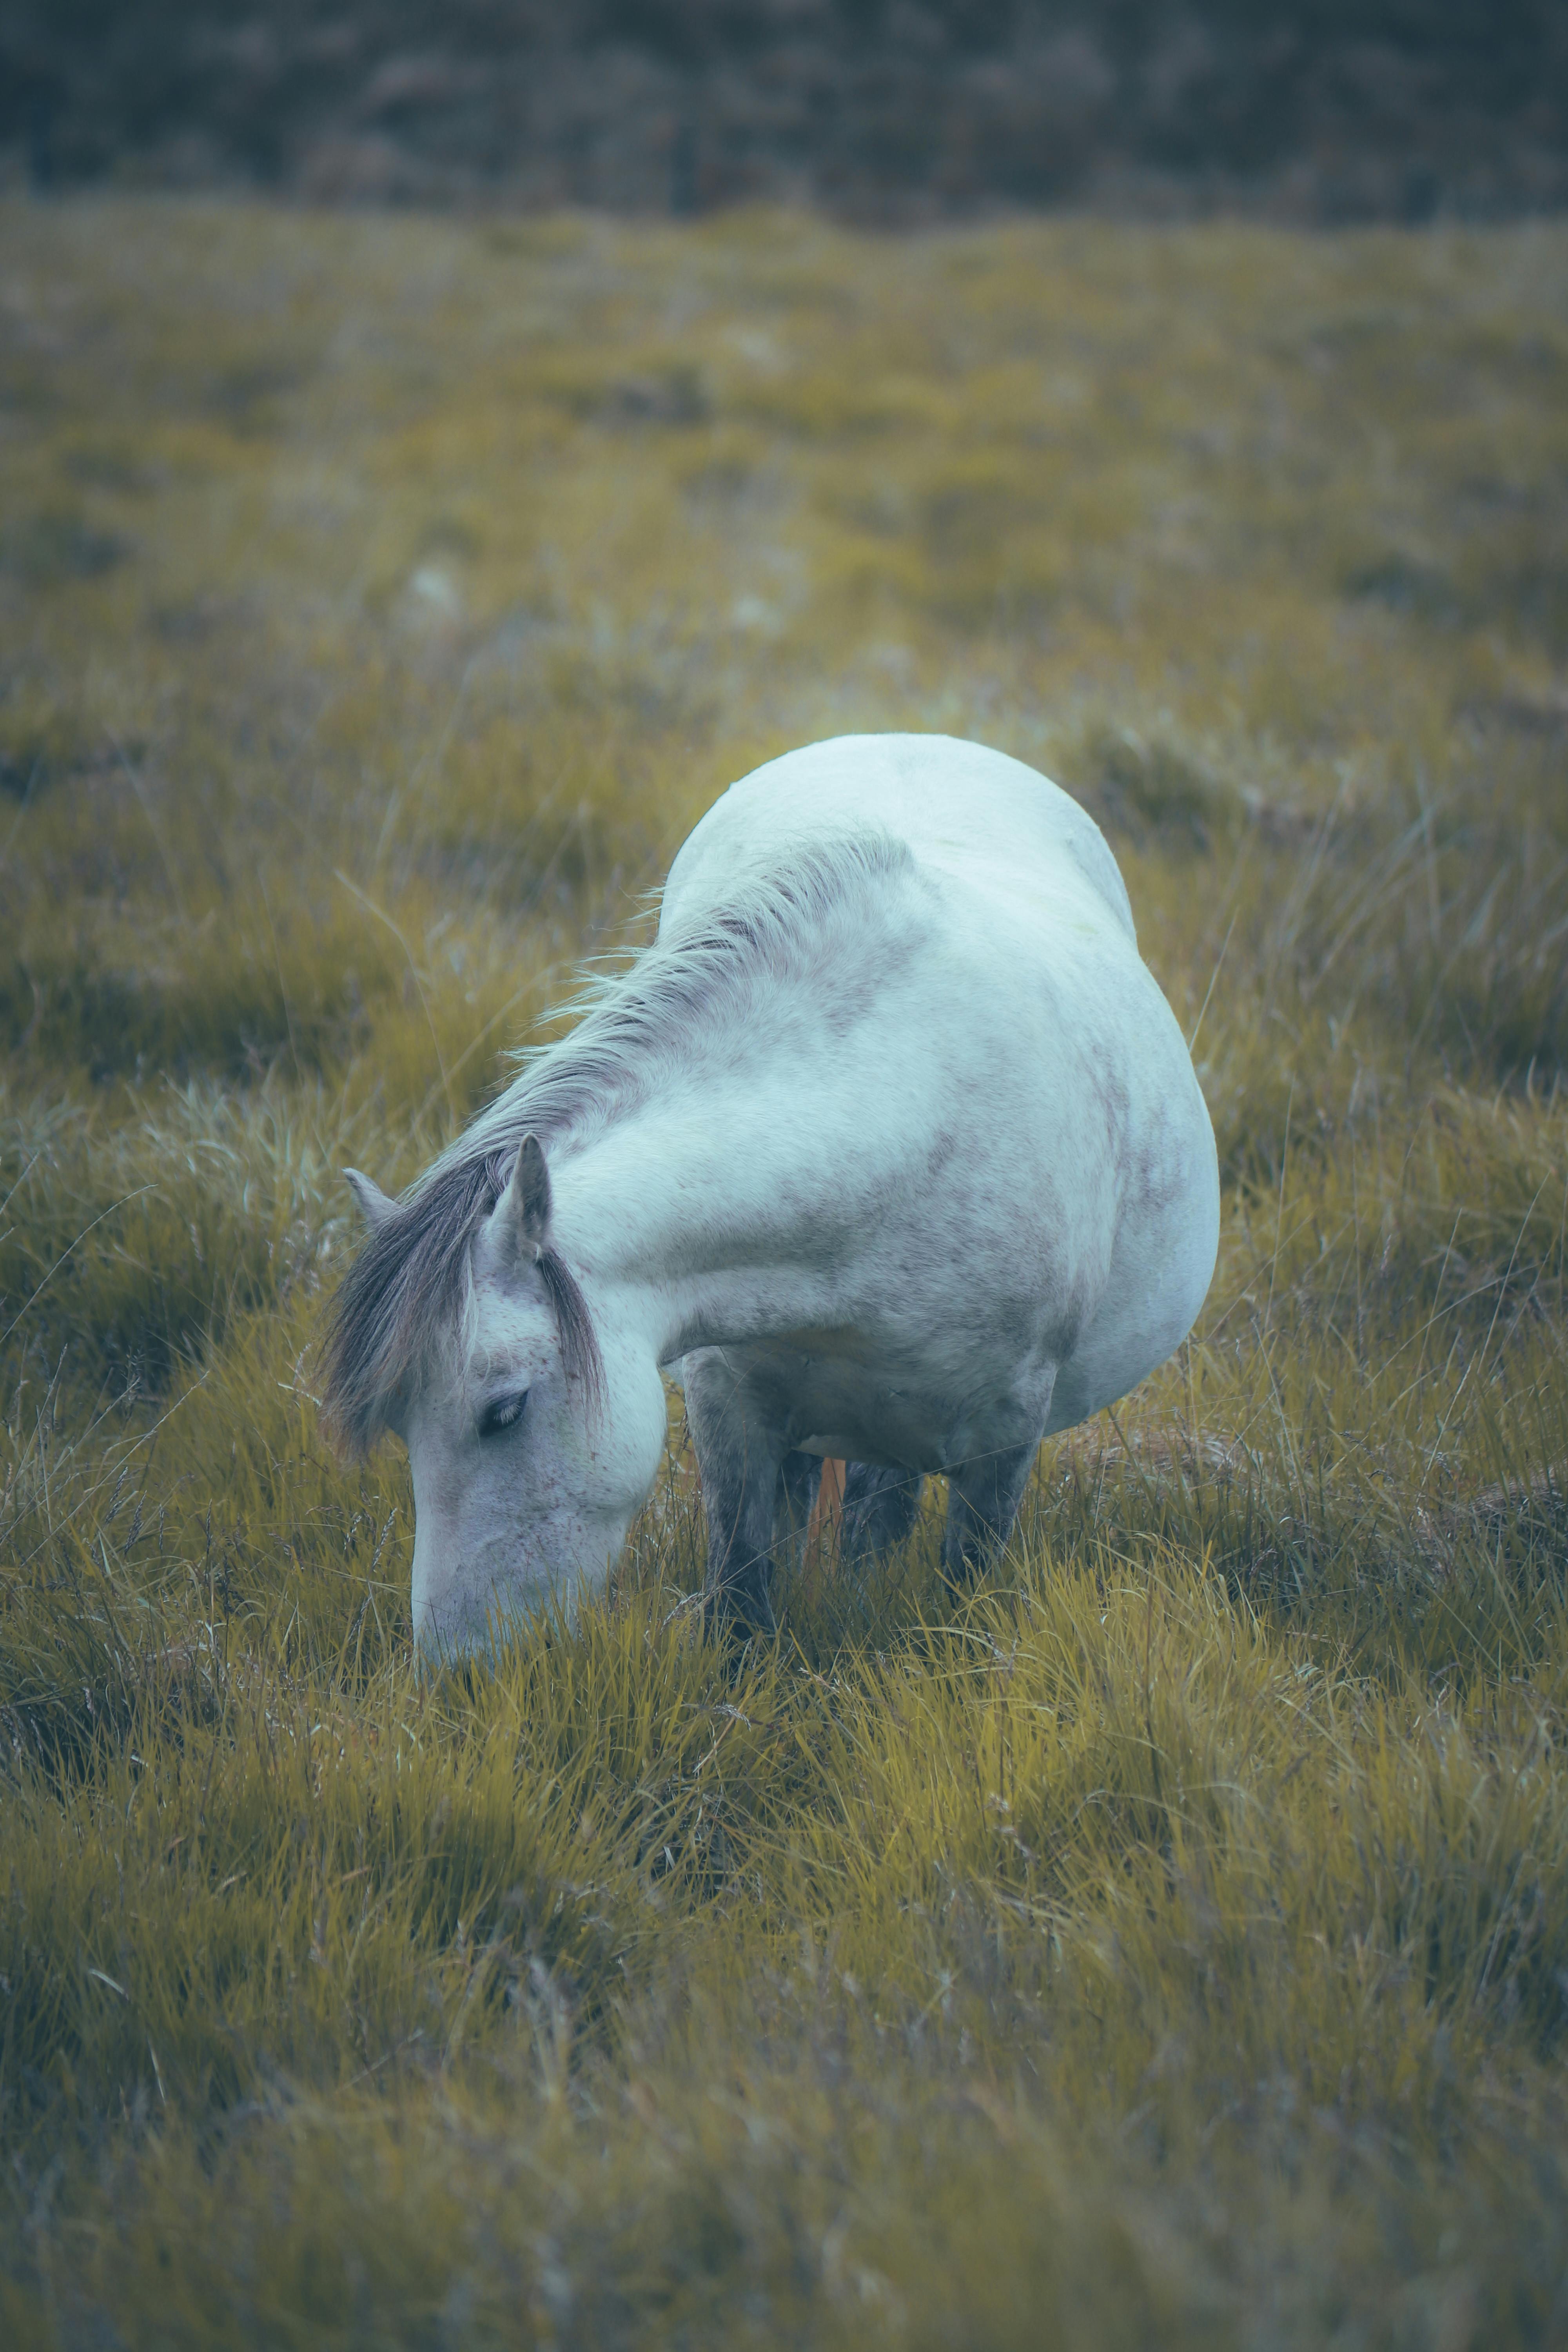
<point x="981" y="1504"/>
<point x="880" y="1509"/>
<point x="800" y="1476"/>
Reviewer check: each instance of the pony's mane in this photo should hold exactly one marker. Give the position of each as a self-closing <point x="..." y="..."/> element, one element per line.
<point x="403" y="1289"/>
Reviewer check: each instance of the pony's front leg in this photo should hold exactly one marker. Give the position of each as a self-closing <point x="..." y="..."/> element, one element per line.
<point x="738" y="1457"/>
<point x="982" y="1501"/>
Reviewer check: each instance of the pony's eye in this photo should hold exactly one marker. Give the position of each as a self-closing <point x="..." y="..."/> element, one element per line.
<point x="505" y="1412"/>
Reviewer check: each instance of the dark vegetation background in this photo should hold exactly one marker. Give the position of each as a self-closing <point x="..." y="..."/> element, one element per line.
<point x="1323" y="110"/>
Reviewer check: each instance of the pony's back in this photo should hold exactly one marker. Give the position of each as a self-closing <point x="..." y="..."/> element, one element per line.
<point x="959" y="806"/>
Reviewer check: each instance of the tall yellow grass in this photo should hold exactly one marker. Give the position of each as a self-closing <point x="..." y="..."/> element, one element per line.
<point x="1171" y="1946"/>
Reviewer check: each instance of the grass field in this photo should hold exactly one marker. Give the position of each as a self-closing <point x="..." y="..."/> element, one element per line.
<point x="1170" y="1949"/>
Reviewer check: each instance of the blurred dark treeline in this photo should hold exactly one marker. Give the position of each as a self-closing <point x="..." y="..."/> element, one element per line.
<point x="892" y="109"/>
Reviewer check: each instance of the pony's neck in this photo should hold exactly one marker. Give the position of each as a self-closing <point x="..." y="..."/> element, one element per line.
<point x="708" y="1222"/>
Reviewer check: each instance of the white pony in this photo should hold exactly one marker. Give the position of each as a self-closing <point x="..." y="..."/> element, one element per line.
<point x="890" y="1142"/>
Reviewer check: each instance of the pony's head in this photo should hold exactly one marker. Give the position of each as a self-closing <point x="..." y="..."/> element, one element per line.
<point x="533" y="1430"/>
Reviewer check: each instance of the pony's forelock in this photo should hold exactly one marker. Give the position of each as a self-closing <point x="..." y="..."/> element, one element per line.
<point x="411" y="1289"/>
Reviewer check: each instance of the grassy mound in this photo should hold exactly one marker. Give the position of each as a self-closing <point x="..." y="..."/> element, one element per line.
<point x="1171" y="1946"/>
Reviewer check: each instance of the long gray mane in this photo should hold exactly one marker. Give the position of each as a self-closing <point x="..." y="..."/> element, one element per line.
<point x="634" y="1028"/>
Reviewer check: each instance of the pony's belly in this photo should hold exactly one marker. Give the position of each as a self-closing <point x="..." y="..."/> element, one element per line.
<point x="818" y="1400"/>
<point x="886" y="1414"/>
<point x="870" y="1422"/>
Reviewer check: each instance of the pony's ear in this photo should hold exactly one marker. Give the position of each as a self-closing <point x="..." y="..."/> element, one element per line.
<point x="525" y="1204"/>
<point x="373" y="1205"/>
